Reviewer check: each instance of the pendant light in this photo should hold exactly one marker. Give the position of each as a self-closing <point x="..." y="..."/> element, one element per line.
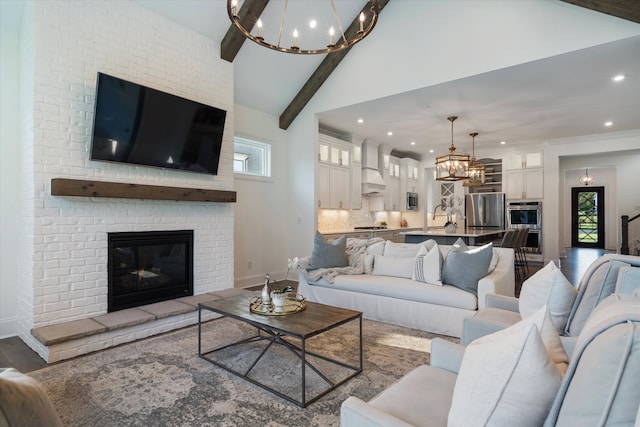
<point x="452" y="166"/>
<point x="476" y="169"/>
<point x="586" y="179"/>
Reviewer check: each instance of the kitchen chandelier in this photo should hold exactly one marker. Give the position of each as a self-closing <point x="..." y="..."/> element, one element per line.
<point x="452" y="166"/>
<point x="337" y="38"/>
<point x="586" y="179"/>
<point x="476" y="169"/>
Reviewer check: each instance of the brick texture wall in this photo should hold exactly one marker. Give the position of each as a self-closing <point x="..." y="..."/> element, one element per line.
<point x="63" y="255"/>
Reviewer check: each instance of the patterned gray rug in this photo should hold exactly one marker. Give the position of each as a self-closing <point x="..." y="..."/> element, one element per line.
<point x="161" y="381"/>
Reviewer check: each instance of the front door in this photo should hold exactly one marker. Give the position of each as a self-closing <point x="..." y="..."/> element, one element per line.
<point x="587" y="217"/>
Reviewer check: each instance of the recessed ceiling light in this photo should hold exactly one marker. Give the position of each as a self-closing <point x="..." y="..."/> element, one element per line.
<point x="413" y="143"/>
<point x="607" y="124"/>
<point x="618" y="78"/>
<point x="389" y="133"/>
<point x="431" y="151"/>
<point x="503" y="142"/>
<point x="360" y="121"/>
<point x="312" y="23"/>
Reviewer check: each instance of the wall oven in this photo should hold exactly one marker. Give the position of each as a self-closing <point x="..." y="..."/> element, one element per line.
<point x="528" y="215"/>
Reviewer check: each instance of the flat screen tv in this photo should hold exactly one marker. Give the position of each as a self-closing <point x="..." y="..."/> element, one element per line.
<point x="143" y="126"/>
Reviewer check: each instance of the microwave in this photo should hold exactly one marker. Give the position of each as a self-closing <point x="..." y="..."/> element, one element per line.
<point x="412" y="201"/>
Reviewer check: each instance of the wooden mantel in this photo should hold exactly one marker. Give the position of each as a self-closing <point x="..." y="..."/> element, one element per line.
<point x="86" y="188"/>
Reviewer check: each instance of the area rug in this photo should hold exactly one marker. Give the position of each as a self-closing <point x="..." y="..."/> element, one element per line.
<point x="161" y="381"/>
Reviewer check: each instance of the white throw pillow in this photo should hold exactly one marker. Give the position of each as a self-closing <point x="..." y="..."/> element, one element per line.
<point x="504" y="376"/>
<point x="548" y="286"/>
<point x="401" y="250"/>
<point x="428" y="266"/>
<point x="372" y="251"/>
<point x="550" y="338"/>
<point x="393" y="266"/>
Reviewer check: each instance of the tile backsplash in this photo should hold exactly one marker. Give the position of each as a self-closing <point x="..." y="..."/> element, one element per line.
<point x="335" y="221"/>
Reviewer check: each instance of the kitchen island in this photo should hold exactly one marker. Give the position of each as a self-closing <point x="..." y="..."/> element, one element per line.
<point x="471" y="236"/>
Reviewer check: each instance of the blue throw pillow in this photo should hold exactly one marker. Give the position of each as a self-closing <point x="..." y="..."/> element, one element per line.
<point x="328" y="254"/>
<point x="463" y="268"/>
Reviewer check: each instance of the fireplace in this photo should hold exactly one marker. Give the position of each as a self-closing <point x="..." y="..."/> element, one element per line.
<point x="148" y="267"/>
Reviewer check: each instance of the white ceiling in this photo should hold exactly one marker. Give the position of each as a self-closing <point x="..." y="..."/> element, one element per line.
<point x="563" y="96"/>
<point x="559" y="97"/>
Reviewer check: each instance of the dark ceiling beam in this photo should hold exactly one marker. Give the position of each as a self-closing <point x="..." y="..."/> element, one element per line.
<point x="625" y="9"/>
<point x="233" y="39"/>
<point x="320" y="75"/>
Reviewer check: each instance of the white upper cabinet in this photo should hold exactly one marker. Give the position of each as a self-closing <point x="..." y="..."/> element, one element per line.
<point x="524" y="184"/>
<point x="522" y="161"/>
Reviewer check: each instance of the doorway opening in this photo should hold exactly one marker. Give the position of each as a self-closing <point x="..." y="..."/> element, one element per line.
<point x="587" y="217"/>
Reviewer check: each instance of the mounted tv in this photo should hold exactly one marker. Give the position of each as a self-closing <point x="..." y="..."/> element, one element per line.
<point x="143" y="126"/>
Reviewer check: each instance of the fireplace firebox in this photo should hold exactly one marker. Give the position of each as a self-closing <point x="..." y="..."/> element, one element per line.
<point x="148" y="267"/>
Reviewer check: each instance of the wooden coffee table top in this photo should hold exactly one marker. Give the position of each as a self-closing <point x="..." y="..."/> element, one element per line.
<point x="315" y="319"/>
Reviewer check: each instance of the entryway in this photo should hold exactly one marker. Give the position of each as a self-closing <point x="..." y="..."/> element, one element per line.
<point x="587" y="217"/>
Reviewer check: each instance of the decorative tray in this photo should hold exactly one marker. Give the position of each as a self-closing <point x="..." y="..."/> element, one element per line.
<point x="294" y="303"/>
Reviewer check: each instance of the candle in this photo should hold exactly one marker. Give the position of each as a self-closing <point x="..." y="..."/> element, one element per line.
<point x="331" y="33"/>
<point x="361" y="21"/>
<point x="234" y="6"/>
<point x="295" y="38"/>
<point x="259" y="24"/>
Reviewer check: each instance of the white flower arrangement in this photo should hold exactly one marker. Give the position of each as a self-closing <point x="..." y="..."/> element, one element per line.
<point x="452" y="206"/>
<point x="292" y="264"/>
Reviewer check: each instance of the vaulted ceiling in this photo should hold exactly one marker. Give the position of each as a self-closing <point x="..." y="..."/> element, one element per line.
<point x="562" y="96"/>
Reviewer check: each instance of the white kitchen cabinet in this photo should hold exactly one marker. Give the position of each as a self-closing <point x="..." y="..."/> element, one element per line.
<point x="392" y="185"/>
<point x="522" y="161"/>
<point x="356" y="176"/>
<point x="334" y="173"/>
<point x="524" y="184"/>
<point x="409" y="171"/>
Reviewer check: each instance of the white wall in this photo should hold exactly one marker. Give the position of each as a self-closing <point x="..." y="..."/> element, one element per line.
<point x="622" y="196"/>
<point x="460" y="39"/>
<point x="62" y="256"/>
<point x="261" y="219"/>
<point x="9" y="153"/>
<point x="617" y="150"/>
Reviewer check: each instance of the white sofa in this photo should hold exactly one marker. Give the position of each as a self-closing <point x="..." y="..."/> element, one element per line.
<point x="405" y="302"/>
<point x="599" y="387"/>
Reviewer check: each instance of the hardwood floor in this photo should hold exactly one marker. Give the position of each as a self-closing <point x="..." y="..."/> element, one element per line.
<point x="15" y="353"/>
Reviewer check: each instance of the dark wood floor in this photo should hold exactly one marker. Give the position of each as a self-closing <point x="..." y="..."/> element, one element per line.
<point x="15" y="353"/>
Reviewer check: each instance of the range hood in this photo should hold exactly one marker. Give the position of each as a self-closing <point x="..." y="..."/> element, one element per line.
<point x="372" y="180"/>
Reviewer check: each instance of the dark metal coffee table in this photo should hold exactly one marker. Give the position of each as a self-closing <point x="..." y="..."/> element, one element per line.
<point x="287" y="331"/>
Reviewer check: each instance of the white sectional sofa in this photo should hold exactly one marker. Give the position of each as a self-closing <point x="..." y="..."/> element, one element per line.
<point x="406" y="302"/>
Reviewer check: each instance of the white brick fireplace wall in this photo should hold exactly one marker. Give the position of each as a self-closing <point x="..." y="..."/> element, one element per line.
<point x="63" y="244"/>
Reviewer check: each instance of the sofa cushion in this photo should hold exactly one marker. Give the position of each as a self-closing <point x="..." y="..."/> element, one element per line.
<point x="407" y="289"/>
<point x="393" y="266"/>
<point x="502" y="376"/>
<point x="402" y="399"/>
<point x="328" y="254"/>
<point x="594" y="289"/>
<point x="428" y="266"/>
<point x="463" y="268"/>
<point x="548" y="286"/>
<point x="601" y="384"/>
<point x="628" y="281"/>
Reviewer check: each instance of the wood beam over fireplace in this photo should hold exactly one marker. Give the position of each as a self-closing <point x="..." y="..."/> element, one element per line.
<point x="86" y="188"/>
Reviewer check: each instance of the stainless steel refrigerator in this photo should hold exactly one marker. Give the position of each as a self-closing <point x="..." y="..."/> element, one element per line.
<point x="485" y="210"/>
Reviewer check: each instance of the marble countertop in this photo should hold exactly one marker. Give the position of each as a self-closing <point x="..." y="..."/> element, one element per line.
<point x="462" y="232"/>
